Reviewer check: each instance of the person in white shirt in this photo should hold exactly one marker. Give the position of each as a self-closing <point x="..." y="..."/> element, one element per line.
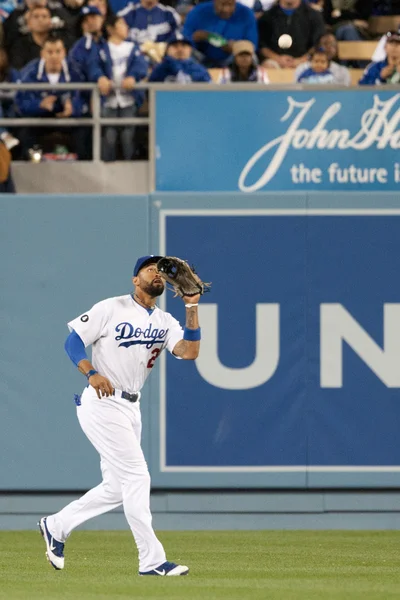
<point x="127" y="334"/>
<point x="119" y="65"/>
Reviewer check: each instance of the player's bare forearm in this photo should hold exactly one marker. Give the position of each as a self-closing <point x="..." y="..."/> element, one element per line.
<point x="192" y="318"/>
<point x="85" y="366"/>
<point x="184" y="348"/>
<point x="187" y="350"/>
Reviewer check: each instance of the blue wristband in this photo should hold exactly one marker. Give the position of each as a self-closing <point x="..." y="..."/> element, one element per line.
<point x="192" y="335"/>
<point x="90" y="373"/>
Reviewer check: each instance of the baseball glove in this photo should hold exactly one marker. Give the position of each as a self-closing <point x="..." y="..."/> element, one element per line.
<point x="183" y="280"/>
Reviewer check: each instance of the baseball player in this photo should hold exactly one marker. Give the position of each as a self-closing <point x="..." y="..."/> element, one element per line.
<point x="127" y="333"/>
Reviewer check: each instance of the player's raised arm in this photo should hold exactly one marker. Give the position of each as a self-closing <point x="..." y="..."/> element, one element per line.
<point x="189" y="347"/>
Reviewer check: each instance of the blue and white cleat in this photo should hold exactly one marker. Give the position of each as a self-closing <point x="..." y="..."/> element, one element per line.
<point x="167" y="569"/>
<point x="55" y="549"/>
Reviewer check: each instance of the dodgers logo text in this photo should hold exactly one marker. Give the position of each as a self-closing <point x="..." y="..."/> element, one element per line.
<point x="135" y="335"/>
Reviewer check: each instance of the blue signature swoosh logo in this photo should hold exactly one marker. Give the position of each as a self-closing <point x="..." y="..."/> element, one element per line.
<point x="148" y="343"/>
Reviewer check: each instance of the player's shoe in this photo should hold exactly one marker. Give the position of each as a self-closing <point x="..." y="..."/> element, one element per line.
<point x="168" y="569"/>
<point x="54" y="548"/>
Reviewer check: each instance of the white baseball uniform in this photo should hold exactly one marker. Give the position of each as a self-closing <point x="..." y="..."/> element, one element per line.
<point x="126" y="340"/>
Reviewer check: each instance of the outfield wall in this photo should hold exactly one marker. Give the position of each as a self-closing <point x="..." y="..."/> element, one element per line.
<point x="244" y="510"/>
<point x="297" y="383"/>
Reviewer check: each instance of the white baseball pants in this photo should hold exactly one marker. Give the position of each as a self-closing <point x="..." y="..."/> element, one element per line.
<point x="114" y="428"/>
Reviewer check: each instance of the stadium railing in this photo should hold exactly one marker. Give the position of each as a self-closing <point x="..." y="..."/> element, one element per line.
<point x="280" y="79"/>
<point x="96" y="121"/>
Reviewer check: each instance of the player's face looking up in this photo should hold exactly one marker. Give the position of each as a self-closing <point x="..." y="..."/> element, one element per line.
<point x="149" y="281"/>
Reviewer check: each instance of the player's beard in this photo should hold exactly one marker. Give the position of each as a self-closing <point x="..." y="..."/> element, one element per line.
<point x="154" y="290"/>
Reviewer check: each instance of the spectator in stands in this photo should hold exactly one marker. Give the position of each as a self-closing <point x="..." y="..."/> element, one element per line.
<point x="380" y="51"/>
<point x="387" y="70"/>
<point x="214" y="26"/>
<point x="72" y="9"/>
<point x="341" y="74"/>
<point x="29" y="46"/>
<point x="348" y="18"/>
<point x="295" y="18"/>
<point x="16" y="26"/>
<point x="318" y="71"/>
<point x="84" y="51"/>
<point x="7" y="109"/>
<point x="244" y="67"/>
<point x="102" y="5"/>
<point x="178" y="65"/>
<point x="119" y="66"/>
<point x="6" y="181"/>
<point x="51" y="68"/>
<point x="150" y="21"/>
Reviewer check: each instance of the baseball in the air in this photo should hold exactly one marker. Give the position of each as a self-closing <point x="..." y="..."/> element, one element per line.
<point x="285" y="41"/>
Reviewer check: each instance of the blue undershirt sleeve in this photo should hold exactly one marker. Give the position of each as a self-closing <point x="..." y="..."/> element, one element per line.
<point x="75" y="348"/>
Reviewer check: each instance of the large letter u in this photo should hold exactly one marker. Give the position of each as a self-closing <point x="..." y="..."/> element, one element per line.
<point x="267" y="350"/>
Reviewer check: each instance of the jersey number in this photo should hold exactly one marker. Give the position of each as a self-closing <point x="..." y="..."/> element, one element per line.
<point x="154" y="355"/>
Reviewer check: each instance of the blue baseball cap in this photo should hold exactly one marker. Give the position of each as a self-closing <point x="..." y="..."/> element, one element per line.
<point x="179" y="39"/>
<point x="90" y="10"/>
<point x="145" y="260"/>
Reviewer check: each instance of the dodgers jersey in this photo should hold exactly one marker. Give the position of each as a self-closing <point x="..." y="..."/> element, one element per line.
<point x="126" y="339"/>
<point x="159" y="24"/>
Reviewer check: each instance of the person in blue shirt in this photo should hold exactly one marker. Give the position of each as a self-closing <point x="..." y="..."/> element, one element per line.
<point x="118" y="67"/>
<point x="319" y="71"/>
<point x="150" y="21"/>
<point x="117" y="5"/>
<point x="214" y="26"/>
<point x="178" y="65"/>
<point x="385" y="71"/>
<point x="51" y="68"/>
<point x="84" y="51"/>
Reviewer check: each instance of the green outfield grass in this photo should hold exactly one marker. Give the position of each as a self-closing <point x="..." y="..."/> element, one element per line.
<point x="234" y="565"/>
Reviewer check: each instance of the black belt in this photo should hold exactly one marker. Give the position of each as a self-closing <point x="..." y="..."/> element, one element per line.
<point x="130" y="397"/>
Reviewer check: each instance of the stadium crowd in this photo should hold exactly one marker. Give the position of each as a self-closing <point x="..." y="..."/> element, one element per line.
<point x="117" y="43"/>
